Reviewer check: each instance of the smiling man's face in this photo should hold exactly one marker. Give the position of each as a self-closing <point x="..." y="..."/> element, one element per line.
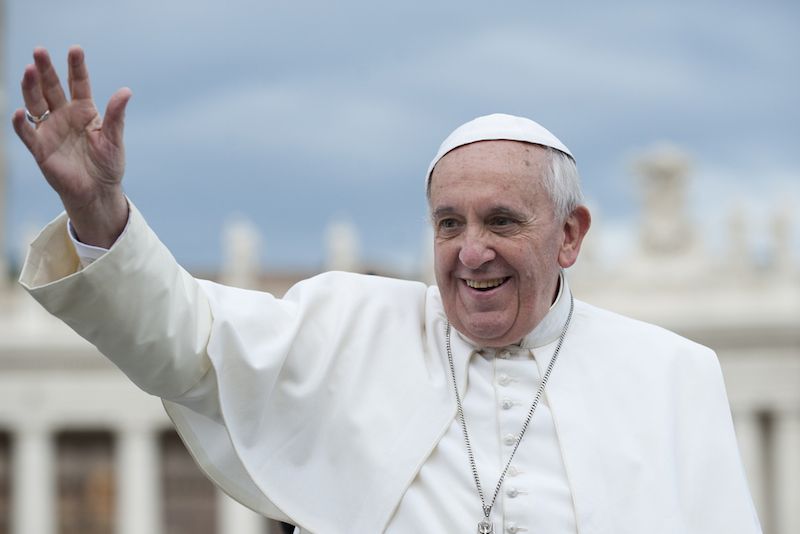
<point x="498" y="246"/>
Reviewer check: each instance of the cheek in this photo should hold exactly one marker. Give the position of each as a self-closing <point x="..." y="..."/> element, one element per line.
<point x="535" y="266"/>
<point x="528" y="262"/>
<point x="445" y="251"/>
<point x="442" y="262"/>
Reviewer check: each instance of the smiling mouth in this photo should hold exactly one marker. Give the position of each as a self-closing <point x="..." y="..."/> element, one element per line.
<point x="485" y="285"/>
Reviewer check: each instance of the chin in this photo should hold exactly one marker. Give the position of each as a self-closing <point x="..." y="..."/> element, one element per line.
<point x="489" y="335"/>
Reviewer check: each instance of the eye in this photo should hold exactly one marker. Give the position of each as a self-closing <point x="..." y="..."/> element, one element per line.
<point x="448" y="225"/>
<point x="502" y="221"/>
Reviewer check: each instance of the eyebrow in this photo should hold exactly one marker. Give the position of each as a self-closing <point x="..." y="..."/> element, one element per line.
<point x="442" y="210"/>
<point x="496" y="210"/>
<point x="508" y="212"/>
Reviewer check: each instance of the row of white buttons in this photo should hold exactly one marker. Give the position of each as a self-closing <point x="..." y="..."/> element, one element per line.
<point x="509" y="440"/>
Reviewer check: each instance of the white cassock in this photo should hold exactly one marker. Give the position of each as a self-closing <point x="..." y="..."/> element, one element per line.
<point x="332" y="408"/>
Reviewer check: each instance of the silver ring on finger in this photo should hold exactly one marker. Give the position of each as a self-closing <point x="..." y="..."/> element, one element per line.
<point x="36" y="119"/>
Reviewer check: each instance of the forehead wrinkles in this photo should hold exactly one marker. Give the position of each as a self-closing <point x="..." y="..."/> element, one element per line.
<point x="487" y="193"/>
<point x="497" y="161"/>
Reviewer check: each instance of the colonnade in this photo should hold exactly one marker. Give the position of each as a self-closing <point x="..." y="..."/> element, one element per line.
<point x="769" y="444"/>
<point x="137" y="458"/>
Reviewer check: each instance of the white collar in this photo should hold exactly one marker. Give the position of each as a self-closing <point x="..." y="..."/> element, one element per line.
<point x="549" y="328"/>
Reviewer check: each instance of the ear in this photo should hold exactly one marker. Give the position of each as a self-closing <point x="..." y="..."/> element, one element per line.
<point x="575" y="228"/>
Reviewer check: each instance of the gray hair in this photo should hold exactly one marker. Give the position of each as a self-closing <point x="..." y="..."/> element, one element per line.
<point x="561" y="181"/>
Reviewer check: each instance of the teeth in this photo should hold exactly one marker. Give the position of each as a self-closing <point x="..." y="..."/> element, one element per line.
<point x="484" y="284"/>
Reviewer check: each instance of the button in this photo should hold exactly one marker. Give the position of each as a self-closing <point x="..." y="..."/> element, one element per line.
<point x="503" y="379"/>
<point x="510" y="439"/>
<point x="512" y="471"/>
<point x="512" y="492"/>
<point x="507" y="404"/>
<point x="512" y="528"/>
<point x="505" y="353"/>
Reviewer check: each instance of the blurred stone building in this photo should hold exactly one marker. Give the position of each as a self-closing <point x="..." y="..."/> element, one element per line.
<point x="83" y="451"/>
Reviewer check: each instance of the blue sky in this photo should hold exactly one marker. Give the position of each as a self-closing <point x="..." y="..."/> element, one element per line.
<point x="295" y="114"/>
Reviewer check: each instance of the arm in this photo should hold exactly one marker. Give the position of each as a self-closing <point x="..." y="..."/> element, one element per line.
<point x="130" y="303"/>
<point x="153" y="320"/>
<point x="134" y="302"/>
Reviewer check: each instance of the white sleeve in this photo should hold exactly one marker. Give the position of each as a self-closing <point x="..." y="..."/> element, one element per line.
<point x="134" y="303"/>
<point x="153" y="320"/>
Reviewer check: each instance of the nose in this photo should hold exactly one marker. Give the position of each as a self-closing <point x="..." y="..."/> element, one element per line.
<point x="475" y="251"/>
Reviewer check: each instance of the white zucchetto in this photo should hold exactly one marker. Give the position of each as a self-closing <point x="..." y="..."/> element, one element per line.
<point x="494" y="127"/>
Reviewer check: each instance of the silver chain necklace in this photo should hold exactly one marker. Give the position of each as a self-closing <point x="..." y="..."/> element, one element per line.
<point x="485" y="525"/>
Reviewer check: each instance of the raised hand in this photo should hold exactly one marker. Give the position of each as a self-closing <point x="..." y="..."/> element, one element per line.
<point x="80" y="153"/>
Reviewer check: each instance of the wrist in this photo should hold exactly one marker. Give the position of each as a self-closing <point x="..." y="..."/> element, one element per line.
<point x="100" y="222"/>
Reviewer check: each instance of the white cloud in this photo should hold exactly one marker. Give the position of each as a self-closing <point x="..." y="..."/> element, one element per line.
<point x="294" y="119"/>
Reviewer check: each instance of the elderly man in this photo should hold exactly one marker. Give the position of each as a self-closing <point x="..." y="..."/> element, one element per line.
<point x="355" y="404"/>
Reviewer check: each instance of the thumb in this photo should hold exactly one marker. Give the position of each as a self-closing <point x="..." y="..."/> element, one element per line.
<point x="114" y="118"/>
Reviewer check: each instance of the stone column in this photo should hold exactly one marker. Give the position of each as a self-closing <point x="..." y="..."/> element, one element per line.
<point x="34" y="507"/>
<point x="242" y="244"/>
<point x="138" y="482"/>
<point x="234" y="517"/>
<point x="342" y="247"/>
<point x="787" y="472"/>
<point x="750" y="435"/>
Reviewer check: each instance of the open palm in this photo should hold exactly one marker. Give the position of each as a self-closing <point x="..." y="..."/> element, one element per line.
<point x="81" y="155"/>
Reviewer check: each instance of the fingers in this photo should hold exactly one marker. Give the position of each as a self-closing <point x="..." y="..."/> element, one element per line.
<point x="79" y="86"/>
<point x="50" y="84"/>
<point x="24" y="130"/>
<point x="114" y="119"/>
<point x="42" y="91"/>
<point x="32" y="91"/>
